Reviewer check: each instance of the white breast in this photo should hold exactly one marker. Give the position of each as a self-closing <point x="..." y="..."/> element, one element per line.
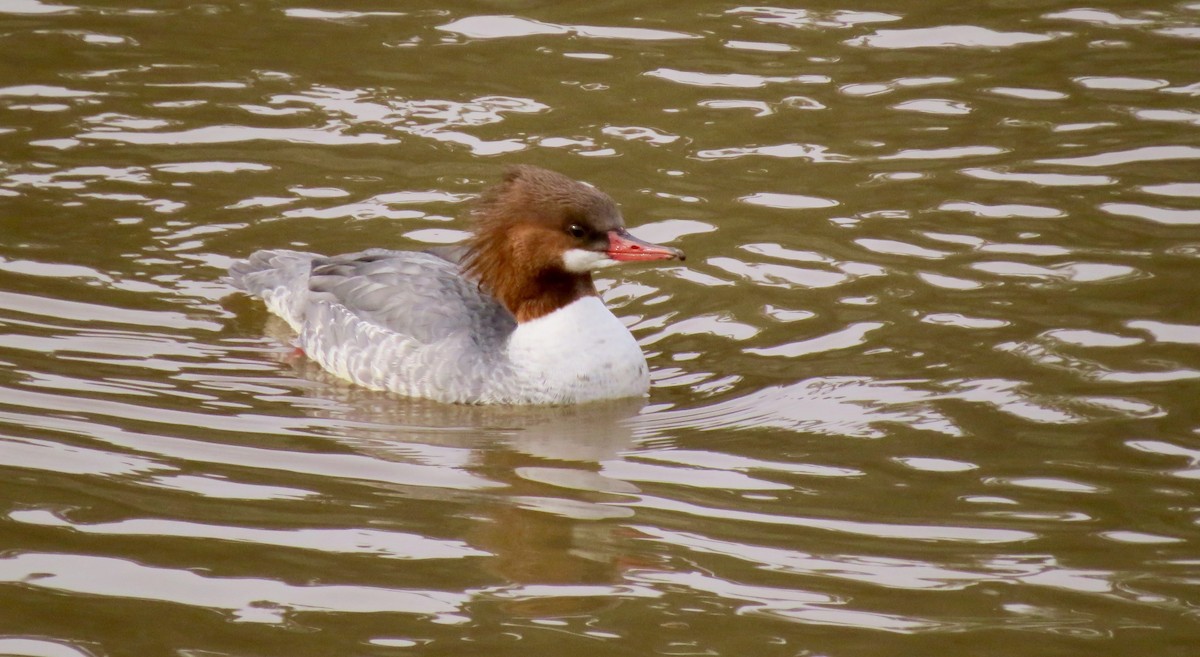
<point x="578" y="353"/>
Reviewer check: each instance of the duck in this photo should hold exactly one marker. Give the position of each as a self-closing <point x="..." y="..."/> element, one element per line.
<point x="509" y="316"/>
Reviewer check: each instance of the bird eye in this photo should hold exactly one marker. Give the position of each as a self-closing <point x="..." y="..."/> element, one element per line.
<point x="576" y="231"/>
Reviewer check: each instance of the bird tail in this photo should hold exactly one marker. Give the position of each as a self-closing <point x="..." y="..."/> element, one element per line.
<point x="279" y="277"/>
<point x="265" y="270"/>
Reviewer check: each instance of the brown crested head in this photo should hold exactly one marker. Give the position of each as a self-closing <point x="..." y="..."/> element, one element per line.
<point x="538" y="236"/>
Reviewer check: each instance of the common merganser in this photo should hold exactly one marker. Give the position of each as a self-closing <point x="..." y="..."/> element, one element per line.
<point x="511" y="316"/>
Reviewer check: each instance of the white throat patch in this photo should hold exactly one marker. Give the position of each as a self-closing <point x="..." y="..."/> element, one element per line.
<point x="580" y="261"/>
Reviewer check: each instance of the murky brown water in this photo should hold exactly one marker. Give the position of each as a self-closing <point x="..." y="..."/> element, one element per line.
<point x="927" y="384"/>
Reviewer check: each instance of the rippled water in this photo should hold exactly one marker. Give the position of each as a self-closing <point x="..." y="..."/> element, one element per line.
<point x="926" y="385"/>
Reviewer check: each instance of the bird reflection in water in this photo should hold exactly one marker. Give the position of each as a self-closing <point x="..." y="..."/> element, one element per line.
<point x="550" y="522"/>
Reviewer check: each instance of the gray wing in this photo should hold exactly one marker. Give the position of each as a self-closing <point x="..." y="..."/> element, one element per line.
<point x="418" y="295"/>
<point x="396" y="320"/>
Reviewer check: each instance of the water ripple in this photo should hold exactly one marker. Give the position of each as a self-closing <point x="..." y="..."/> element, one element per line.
<point x="494" y="27"/>
<point x="974" y="535"/>
<point x="947" y="36"/>
<point x="842" y="406"/>
<point x="256" y="600"/>
<point x="390" y="545"/>
<point x="731" y="80"/>
<point x="930" y="369"/>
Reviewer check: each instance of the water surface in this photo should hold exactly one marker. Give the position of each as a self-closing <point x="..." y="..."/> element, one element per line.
<point x="926" y="384"/>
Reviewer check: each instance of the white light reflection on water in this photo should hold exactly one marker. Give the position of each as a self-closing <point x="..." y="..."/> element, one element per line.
<point x="256" y="600"/>
<point x="390" y="545"/>
<point x="947" y="36"/>
<point x="980" y="535"/>
<point x="497" y="27"/>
